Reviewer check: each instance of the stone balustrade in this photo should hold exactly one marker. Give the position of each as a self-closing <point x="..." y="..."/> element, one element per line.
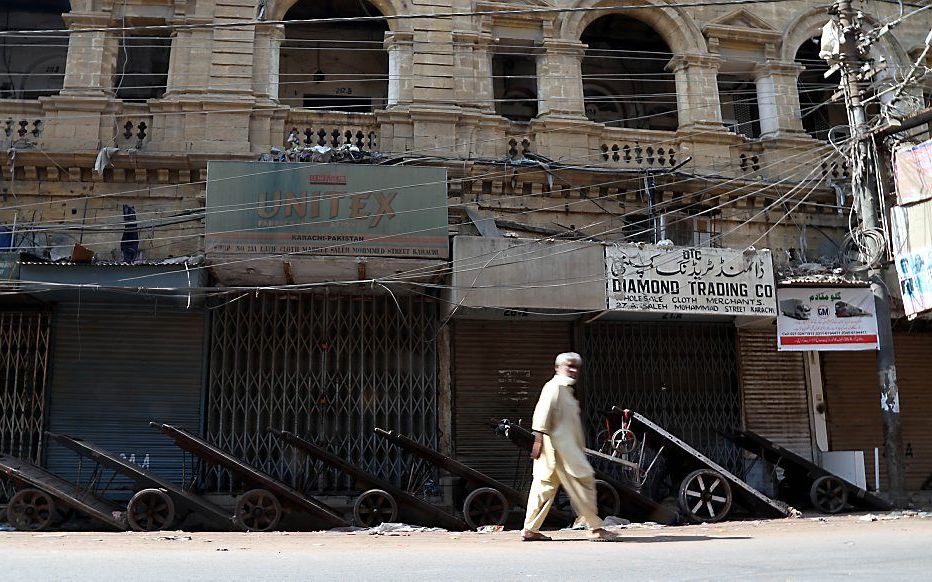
<point x="635" y="149"/>
<point x="134" y="126"/>
<point x="332" y="128"/>
<point x="21" y="121"/>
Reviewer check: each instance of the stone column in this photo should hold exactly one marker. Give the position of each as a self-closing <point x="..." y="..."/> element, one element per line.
<point x="400" y="47"/>
<point x="778" y="99"/>
<point x="697" y="97"/>
<point x="559" y="79"/>
<point x="265" y="72"/>
<point x="91" y="55"/>
<point x="473" y="71"/>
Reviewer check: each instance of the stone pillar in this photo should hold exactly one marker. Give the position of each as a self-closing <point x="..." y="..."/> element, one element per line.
<point x="400" y="48"/>
<point x="778" y="100"/>
<point x="559" y="79"/>
<point x="473" y="71"/>
<point x="91" y="55"/>
<point x="265" y="72"/>
<point x="697" y="97"/>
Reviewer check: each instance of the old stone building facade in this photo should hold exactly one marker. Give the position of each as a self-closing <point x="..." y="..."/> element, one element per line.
<point x="705" y="124"/>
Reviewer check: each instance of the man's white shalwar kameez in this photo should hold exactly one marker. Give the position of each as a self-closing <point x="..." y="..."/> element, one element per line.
<point x="562" y="461"/>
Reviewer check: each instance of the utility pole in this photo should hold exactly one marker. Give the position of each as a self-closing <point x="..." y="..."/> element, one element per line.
<point x="864" y="190"/>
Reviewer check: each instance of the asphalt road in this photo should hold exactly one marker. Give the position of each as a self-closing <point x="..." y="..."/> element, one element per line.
<point x="801" y="549"/>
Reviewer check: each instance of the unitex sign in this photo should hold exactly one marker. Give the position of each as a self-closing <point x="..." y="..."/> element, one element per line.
<point x="263" y="208"/>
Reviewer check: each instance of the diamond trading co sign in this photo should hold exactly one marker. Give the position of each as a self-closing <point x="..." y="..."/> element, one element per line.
<point x="690" y="280"/>
<point x="262" y="208"/>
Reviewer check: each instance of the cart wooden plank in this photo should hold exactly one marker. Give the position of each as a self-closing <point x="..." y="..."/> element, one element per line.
<point x="369" y="481"/>
<point x="745" y="494"/>
<point x="286" y="494"/>
<point x="144" y="479"/>
<point x="25" y="474"/>
<point x="802" y="467"/>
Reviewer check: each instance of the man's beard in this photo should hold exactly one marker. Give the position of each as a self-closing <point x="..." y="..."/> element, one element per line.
<point x="567" y="381"/>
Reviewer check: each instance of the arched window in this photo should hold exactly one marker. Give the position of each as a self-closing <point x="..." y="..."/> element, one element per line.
<point x="627" y="59"/>
<point x="818" y="112"/>
<point x="32" y="66"/>
<point x="339" y="66"/>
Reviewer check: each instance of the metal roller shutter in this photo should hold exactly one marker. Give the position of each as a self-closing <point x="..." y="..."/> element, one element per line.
<point x="853" y="406"/>
<point x="773" y="386"/>
<point x="499" y="368"/>
<point x="118" y="366"/>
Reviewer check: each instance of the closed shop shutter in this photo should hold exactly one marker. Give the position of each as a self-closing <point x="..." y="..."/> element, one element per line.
<point x="773" y="387"/>
<point x="499" y="368"/>
<point x="853" y="405"/>
<point x="115" y="368"/>
<point x="330" y="368"/>
<point x="682" y="376"/>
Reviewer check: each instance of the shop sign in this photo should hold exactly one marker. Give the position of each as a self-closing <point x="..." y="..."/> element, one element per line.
<point x="913" y="172"/>
<point x="262" y="208"/>
<point x="690" y="280"/>
<point x="826" y="319"/>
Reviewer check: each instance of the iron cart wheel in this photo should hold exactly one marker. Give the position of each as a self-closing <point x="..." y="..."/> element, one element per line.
<point x="374" y="507"/>
<point x="257" y="510"/>
<point x="705" y="496"/>
<point x="828" y="494"/>
<point x="485" y="506"/>
<point x="150" y="510"/>
<point x="31" y="510"/>
<point x="607" y="500"/>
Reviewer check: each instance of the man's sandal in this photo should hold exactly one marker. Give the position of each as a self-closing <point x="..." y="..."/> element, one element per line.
<point x="603" y="535"/>
<point x="534" y="536"/>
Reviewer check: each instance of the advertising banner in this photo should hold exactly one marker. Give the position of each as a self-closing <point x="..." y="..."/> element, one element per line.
<point x="690" y="280"/>
<point x="826" y="319"/>
<point x="913" y="167"/>
<point x="262" y="208"/>
<point x="912" y="251"/>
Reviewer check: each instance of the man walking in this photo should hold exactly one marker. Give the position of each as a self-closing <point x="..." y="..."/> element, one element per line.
<point x="559" y="455"/>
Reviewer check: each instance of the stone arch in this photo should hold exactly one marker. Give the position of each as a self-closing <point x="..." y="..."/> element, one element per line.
<point x="277" y="9"/>
<point x="676" y="27"/>
<point x="809" y="24"/>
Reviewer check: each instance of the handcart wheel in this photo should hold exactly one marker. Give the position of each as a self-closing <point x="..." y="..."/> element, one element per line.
<point x="150" y="510"/>
<point x="485" y="506"/>
<point x="607" y="500"/>
<point x="623" y="441"/>
<point x="374" y="507"/>
<point x="828" y="494"/>
<point x="257" y="510"/>
<point x="31" y="510"/>
<point x="705" y="496"/>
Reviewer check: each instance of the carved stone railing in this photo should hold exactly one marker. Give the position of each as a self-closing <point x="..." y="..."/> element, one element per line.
<point x="333" y="128"/>
<point x="134" y="126"/>
<point x="21" y="121"/>
<point x="636" y="149"/>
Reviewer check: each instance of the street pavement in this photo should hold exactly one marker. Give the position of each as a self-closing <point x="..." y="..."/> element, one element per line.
<point x="893" y="547"/>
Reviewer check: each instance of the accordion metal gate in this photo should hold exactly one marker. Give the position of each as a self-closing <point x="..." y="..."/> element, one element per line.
<point x="24" y="347"/>
<point x="328" y="367"/>
<point x="682" y="376"/>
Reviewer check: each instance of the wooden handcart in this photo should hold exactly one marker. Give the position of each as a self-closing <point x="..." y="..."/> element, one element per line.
<point x="380" y="500"/>
<point x="488" y="502"/>
<point x="803" y="480"/>
<point x="259" y="508"/>
<point x="42" y="496"/>
<point x="157" y="504"/>
<point x="704" y="489"/>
